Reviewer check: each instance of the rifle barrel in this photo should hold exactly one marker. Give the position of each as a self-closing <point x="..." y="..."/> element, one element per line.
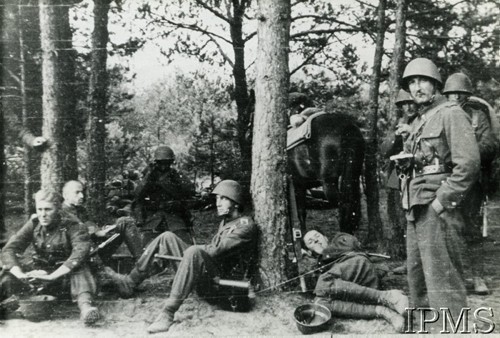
<point x="169" y="257"/>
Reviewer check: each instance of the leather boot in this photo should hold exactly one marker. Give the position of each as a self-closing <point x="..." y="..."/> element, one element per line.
<point x="165" y="319"/>
<point x="349" y="291"/>
<point x="362" y="311"/>
<point x="125" y="283"/>
<point x="88" y="313"/>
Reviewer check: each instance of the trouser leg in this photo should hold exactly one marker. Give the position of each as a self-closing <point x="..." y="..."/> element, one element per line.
<point x="416" y="277"/>
<point x="196" y="268"/>
<point x="131" y="236"/>
<point x="82" y="281"/>
<point x="440" y="244"/>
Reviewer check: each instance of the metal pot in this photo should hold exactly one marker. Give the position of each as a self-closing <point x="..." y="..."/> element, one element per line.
<point x="312" y="318"/>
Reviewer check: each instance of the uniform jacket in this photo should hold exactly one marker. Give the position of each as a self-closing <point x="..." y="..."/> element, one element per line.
<point x="66" y="240"/>
<point x="442" y="133"/>
<point x="234" y="245"/>
<point x="159" y="195"/>
<point x="82" y="215"/>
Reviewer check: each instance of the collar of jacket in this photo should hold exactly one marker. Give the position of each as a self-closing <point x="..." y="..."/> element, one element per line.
<point x="436" y="101"/>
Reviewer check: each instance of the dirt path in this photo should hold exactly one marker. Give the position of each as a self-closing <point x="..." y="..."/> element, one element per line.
<point x="272" y="314"/>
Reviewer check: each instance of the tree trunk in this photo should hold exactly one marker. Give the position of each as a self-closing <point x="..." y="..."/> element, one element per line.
<point x="52" y="17"/>
<point x="372" y="192"/>
<point x="269" y="147"/>
<point x="241" y="91"/>
<point x="394" y="233"/>
<point x="96" y="127"/>
<point x="31" y="104"/>
<point x="3" y="165"/>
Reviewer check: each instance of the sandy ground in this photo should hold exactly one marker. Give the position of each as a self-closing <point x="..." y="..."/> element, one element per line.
<point x="271" y="314"/>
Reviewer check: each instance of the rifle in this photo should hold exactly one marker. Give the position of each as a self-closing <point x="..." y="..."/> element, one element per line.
<point x="103" y="245"/>
<point x="217" y="280"/>
<point x="294" y="247"/>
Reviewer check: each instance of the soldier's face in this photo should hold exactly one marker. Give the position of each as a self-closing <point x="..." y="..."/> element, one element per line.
<point x="315" y="241"/>
<point x="225" y="206"/>
<point x="456" y="97"/>
<point x="73" y="194"/>
<point x="163" y="165"/>
<point x="422" y="89"/>
<point x="46" y="212"/>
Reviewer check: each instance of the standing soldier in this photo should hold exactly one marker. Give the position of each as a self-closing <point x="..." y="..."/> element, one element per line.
<point x="61" y="245"/>
<point x="444" y="168"/>
<point x="392" y="145"/>
<point x="458" y="88"/>
<point x="160" y="199"/>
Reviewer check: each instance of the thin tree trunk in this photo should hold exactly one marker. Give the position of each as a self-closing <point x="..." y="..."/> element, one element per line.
<point x="241" y="88"/>
<point x="269" y="147"/>
<point x="53" y="98"/>
<point x="372" y="192"/>
<point x="394" y="239"/>
<point x="96" y="132"/>
<point x="3" y="165"/>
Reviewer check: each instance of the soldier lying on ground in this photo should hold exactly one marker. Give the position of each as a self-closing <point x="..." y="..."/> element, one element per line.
<point x="125" y="226"/>
<point x="61" y="245"/>
<point x="348" y="284"/>
<point x="225" y="257"/>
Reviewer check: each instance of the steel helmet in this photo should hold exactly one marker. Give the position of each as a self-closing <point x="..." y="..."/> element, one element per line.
<point x="403" y="96"/>
<point x="458" y="83"/>
<point x="421" y="67"/>
<point x="164" y="153"/>
<point x="230" y="189"/>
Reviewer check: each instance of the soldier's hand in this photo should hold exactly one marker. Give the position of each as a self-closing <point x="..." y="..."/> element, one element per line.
<point x="18" y="273"/>
<point x="403" y="129"/>
<point x="37" y="273"/>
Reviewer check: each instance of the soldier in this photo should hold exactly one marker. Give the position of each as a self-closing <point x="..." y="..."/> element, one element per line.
<point x="61" y="245"/>
<point x="226" y="256"/>
<point x="445" y="166"/>
<point x="392" y="145"/>
<point x="73" y="194"/>
<point x="458" y="88"/>
<point x="160" y="199"/>
<point x="348" y="284"/>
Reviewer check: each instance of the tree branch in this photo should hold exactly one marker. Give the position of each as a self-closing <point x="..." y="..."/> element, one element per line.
<point x="325" y="18"/>
<point x="12" y="75"/>
<point x="195" y="28"/>
<point x="249" y="37"/>
<point x="310" y="57"/>
<point x="213" y="11"/>
<point x="326" y="31"/>
<point x="224" y="55"/>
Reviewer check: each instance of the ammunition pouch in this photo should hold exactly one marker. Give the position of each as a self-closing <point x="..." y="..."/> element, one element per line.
<point x="431" y="170"/>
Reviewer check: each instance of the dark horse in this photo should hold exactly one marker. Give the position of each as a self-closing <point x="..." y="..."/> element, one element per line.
<point x="331" y="158"/>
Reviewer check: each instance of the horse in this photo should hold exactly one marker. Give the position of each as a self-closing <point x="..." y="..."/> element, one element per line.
<point x="332" y="158"/>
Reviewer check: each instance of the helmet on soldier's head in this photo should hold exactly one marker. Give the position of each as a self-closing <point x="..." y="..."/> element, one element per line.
<point x="164" y="153"/>
<point x="458" y="83"/>
<point x="421" y="67"/>
<point x="230" y="189"/>
<point x="403" y="96"/>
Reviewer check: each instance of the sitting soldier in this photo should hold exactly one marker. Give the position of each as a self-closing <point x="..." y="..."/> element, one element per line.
<point x="61" y="244"/>
<point x="348" y="284"/>
<point x="125" y="226"/>
<point x="224" y="257"/>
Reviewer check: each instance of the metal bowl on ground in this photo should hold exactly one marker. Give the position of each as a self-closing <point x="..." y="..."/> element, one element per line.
<point x="37" y="308"/>
<point x="312" y="318"/>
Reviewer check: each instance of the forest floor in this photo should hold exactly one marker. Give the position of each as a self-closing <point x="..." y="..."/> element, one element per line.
<point x="272" y="313"/>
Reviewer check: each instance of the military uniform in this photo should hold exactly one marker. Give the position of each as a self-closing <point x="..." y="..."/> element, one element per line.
<point x="160" y="201"/>
<point x="66" y="242"/>
<point x="125" y="226"/>
<point x="446" y="165"/>
<point x="227" y="256"/>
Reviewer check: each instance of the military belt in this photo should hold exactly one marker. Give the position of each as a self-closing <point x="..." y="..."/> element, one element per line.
<point x="432" y="169"/>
